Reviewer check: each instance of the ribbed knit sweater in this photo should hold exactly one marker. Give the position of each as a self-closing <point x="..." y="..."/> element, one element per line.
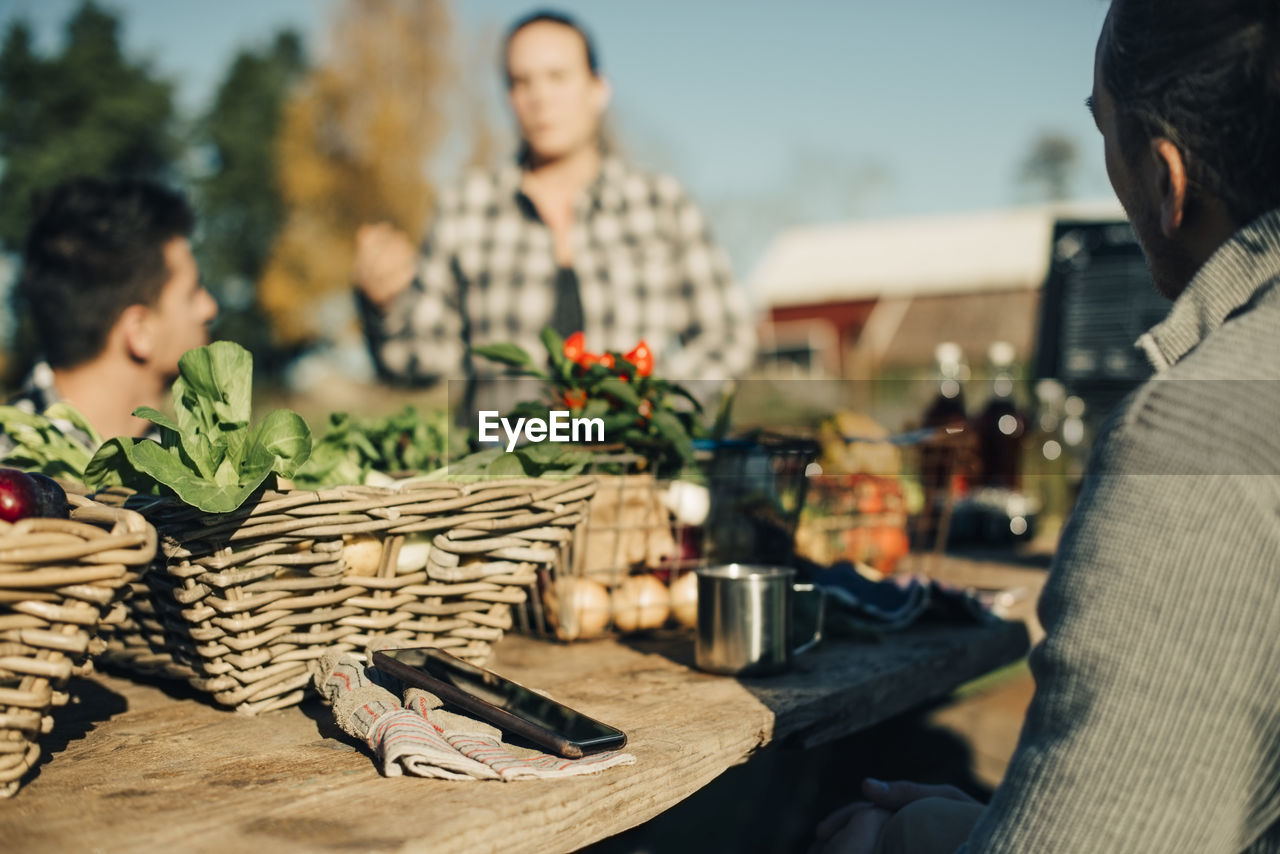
<point x="1155" y="725"/>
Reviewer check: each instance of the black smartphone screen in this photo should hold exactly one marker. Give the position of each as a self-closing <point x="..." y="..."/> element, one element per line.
<point x="587" y="733"/>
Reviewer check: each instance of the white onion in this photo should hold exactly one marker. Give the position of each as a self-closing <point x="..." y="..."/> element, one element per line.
<point x="641" y="602"/>
<point x="688" y="502"/>
<point x="684" y="600"/>
<point x="361" y="553"/>
<point x="414" y="552"/>
<point x="588" y="608"/>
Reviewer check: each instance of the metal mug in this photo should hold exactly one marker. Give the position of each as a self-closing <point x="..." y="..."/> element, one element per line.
<point x="745" y="617"/>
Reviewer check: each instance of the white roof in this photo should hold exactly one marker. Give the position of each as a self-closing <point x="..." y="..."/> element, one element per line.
<point x="950" y="253"/>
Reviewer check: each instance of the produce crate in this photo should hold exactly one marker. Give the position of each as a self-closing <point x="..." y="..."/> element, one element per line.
<point x="645" y="536"/>
<point x="904" y="503"/>
<point x="58" y="578"/>
<point x="245" y="602"/>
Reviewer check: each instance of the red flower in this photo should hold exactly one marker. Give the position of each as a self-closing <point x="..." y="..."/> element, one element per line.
<point x="575" y="347"/>
<point x="575" y="398"/>
<point x="642" y="358"/>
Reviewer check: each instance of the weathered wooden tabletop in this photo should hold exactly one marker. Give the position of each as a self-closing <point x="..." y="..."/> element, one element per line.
<point x="136" y="768"/>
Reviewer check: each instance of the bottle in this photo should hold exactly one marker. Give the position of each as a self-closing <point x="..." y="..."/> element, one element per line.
<point x="944" y="459"/>
<point x="947" y="408"/>
<point x="1000" y="426"/>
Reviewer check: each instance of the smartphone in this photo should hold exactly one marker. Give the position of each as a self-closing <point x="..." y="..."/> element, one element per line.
<point x="510" y="707"/>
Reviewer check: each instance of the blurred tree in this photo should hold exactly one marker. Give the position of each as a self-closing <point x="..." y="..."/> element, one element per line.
<point x="238" y="192"/>
<point x="353" y="149"/>
<point x="1050" y="166"/>
<point x="84" y="111"/>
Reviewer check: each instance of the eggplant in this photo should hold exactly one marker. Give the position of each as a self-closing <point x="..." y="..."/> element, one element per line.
<point x="53" y="498"/>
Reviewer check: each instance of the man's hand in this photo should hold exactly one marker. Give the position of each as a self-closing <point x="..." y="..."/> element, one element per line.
<point x="854" y="829"/>
<point x="385" y="262"/>
<point x="895" y="796"/>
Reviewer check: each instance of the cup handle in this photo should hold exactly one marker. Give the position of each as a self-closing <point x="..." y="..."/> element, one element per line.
<point x="818" y="622"/>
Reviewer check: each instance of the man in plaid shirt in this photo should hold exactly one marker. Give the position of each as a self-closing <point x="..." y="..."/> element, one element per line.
<point x="571" y="237"/>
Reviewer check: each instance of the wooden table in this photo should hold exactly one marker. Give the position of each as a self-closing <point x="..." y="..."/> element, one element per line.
<point x="137" y="768"/>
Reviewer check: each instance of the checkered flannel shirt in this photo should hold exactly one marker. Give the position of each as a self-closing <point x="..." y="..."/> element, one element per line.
<point x="646" y="264"/>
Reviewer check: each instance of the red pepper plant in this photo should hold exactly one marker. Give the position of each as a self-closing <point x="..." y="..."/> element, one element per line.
<point x="643" y="414"/>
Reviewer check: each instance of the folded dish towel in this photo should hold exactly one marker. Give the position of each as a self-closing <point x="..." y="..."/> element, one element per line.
<point x="419" y="738"/>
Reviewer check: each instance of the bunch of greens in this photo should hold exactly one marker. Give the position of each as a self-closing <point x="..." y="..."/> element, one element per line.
<point x="408" y="442"/>
<point x="43" y="443"/>
<point x="208" y="454"/>
<point x="639" y="410"/>
<point x="542" y="460"/>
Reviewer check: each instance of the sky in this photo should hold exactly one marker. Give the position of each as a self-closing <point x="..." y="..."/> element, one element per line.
<point x="772" y="114"/>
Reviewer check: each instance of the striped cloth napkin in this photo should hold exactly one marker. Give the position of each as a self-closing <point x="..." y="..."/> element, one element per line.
<point x="421" y="739"/>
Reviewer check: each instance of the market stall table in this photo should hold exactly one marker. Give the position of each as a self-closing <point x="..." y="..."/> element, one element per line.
<point x="138" y="768"/>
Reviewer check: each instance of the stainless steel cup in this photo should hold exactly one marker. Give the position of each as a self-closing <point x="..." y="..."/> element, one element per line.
<point x="745" y="616"/>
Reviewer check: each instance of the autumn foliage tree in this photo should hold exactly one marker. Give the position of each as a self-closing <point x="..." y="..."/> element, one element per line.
<point x="353" y="148"/>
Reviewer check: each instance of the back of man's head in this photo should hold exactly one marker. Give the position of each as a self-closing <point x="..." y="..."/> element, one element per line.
<point x="1204" y="74"/>
<point x="96" y="248"/>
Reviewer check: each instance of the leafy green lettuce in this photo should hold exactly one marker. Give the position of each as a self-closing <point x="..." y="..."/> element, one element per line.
<point x="39" y="442"/>
<point x="208" y="455"/>
<point x="408" y="442"/>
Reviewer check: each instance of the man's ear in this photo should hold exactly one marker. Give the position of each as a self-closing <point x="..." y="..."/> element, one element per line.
<point x="1171" y="184"/>
<point x="135" y="328"/>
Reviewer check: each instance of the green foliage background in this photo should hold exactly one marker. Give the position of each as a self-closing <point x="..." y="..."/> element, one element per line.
<point x="87" y="109"/>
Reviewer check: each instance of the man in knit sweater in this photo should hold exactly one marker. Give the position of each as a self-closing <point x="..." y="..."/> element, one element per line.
<point x="1155" y="725"/>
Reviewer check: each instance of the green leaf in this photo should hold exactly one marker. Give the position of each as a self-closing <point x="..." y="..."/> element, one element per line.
<point x="157" y="417"/>
<point x="723" y="415"/>
<point x="555" y="349"/>
<point x="506" y="354"/>
<point x="681" y="391"/>
<point x="595" y="408"/>
<point x="621" y="390"/>
<point x="542" y="453"/>
<point x="282" y="441"/>
<point x="507" y="465"/>
<point x="40" y="445"/>
<point x="66" y="412"/>
<point x="221" y="374"/>
<point x="209" y="458"/>
<point x="148" y="460"/>
<point x="670" y="428"/>
<point x="546" y="458"/>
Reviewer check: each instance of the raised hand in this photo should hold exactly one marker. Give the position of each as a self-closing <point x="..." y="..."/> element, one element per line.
<point x="385" y="262"/>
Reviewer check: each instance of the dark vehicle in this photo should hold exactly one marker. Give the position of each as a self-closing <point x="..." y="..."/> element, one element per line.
<point x="1097" y="301"/>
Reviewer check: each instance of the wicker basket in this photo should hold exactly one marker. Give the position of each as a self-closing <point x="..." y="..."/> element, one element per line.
<point x="57" y="579"/>
<point x="754" y="494"/>
<point x="245" y="602"/>
<point x="875" y="515"/>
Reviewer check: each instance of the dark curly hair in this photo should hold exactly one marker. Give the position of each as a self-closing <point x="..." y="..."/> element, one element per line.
<point x="1204" y="74"/>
